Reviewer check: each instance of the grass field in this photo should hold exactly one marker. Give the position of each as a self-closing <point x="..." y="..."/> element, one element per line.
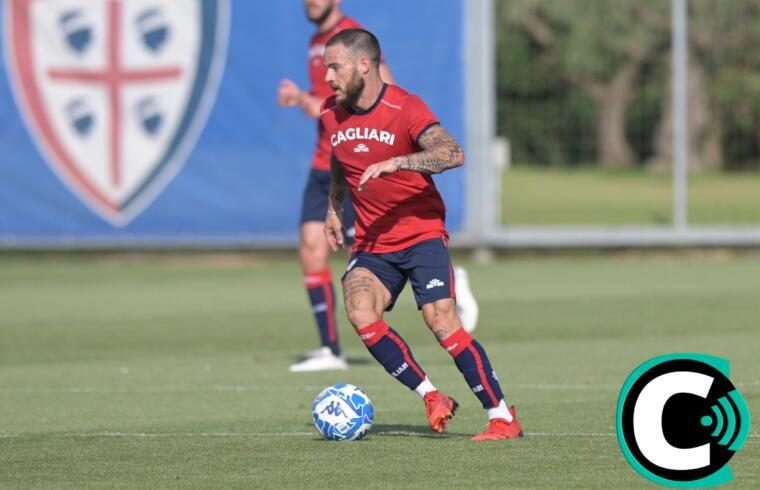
<point x="171" y="372"/>
<point x="534" y="196"/>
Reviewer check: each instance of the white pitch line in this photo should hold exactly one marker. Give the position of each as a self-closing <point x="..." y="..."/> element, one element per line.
<point x="270" y="388"/>
<point x="256" y="388"/>
<point x="138" y="435"/>
<point x="159" y="389"/>
<point x="563" y="386"/>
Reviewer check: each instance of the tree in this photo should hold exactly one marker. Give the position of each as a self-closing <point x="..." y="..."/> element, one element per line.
<point x="725" y="36"/>
<point x="570" y="68"/>
<point x="599" y="49"/>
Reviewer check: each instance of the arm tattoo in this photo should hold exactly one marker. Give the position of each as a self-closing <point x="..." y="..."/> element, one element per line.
<point x="338" y="186"/>
<point x="440" y="152"/>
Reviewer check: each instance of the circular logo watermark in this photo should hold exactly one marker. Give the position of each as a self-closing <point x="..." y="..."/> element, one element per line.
<point x="680" y="420"/>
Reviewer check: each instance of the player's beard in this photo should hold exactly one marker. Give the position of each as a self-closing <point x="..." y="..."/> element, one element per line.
<point x="352" y="92"/>
<point x="320" y="18"/>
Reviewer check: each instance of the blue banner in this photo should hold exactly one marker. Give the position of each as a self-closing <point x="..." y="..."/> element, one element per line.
<point x="158" y="123"/>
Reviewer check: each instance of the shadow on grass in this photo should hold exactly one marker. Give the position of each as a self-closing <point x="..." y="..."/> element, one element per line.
<point x="352" y="361"/>
<point x="405" y="430"/>
<point x="359" y="361"/>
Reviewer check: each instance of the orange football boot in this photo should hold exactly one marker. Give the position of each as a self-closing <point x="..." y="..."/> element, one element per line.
<point x="499" y="429"/>
<point x="440" y="408"/>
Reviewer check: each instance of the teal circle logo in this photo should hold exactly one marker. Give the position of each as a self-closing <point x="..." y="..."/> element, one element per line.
<point x="680" y="420"/>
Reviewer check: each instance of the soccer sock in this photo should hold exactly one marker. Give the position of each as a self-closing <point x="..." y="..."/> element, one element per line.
<point x="322" y="297"/>
<point x="424" y="388"/>
<point x="390" y="350"/>
<point x="500" y="412"/>
<point x="472" y="361"/>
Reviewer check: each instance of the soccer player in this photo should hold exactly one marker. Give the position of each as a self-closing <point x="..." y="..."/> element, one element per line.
<point x="386" y="144"/>
<point x="314" y="250"/>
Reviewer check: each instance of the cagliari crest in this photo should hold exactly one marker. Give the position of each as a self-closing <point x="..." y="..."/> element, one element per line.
<point x="115" y="92"/>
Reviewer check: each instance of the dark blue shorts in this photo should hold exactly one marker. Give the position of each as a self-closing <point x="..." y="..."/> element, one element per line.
<point x="314" y="204"/>
<point x="426" y="265"/>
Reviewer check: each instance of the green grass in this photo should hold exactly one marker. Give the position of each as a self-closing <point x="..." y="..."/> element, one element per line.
<point x="535" y="196"/>
<point x="172" y="373"/>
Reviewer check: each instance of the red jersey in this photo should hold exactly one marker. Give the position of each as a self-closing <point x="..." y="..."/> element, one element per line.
<point x="395" y="211"/>
<point x="319" y="87"/>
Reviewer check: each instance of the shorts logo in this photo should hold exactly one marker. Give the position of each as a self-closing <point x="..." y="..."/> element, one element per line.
<point x="680" y="420"/>
<point x="434" y="283"/>
<point x="115" y="92"/>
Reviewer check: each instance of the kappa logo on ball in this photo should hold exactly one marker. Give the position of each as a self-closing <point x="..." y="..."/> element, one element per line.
<point x="115" y="92"/>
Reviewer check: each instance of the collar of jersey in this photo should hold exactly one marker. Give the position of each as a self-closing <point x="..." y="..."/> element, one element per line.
<point x="370" y="108"/>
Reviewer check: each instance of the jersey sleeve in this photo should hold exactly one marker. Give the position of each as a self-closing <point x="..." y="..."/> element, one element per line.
<point x="419" y="117"/>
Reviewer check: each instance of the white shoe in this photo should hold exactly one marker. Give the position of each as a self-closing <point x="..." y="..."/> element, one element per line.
<point x="314" y="353"/>
<point x="321" y="359"/>
<point x="467" y="307"/>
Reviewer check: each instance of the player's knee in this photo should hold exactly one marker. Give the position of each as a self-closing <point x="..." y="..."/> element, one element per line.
<point x="441" y="317"/>
<point x="309" y="252"/>
<point x="362" y="297"/>
<point x="361" y="317"/>
<point x="313" y="252"/>
<point x="442" y="310"/>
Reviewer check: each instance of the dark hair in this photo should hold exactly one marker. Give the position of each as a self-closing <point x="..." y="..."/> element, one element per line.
<point x="358" y="41"/>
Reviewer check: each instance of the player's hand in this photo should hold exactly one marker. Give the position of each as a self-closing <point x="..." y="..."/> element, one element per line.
<point x="289" y="94"/>
<point x="376" y="170"/>
<point x="334" y="231"/>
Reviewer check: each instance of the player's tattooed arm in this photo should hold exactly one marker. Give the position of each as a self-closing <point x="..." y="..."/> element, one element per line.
<point x="334" y="218"/>
<point x="338" y="187"/>
<point x="440" y="152"/>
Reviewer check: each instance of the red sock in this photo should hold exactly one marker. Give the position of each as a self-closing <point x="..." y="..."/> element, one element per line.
<point x="390" y="350"/>
<point x="472" y="361"/>
<point x="322" y="297"/>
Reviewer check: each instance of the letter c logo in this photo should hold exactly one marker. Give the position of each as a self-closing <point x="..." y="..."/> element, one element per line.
<point x="680" y="420"/>
<point x="647" y="421"/>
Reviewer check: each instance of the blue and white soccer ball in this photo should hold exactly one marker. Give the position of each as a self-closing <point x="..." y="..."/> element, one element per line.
<point x="342" y="412"/>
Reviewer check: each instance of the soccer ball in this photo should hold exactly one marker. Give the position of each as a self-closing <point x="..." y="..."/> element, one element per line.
<point x="342" y="412"/>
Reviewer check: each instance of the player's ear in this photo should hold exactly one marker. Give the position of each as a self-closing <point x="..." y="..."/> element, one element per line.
<point x="364" y="65"/>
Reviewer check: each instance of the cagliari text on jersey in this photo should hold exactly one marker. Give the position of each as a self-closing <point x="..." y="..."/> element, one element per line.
<point x="351" y="134"/>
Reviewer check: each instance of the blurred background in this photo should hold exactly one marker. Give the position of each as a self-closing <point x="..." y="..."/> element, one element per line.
<point x="576" y="118"/>
<point x="585" y="95"/>
<point x="203" y="157"/>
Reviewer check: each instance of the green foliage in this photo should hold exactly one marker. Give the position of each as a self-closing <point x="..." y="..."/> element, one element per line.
<point x="553" y="55"/>
<point x="544" y="117"/>
<point x="727" y="36"/>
